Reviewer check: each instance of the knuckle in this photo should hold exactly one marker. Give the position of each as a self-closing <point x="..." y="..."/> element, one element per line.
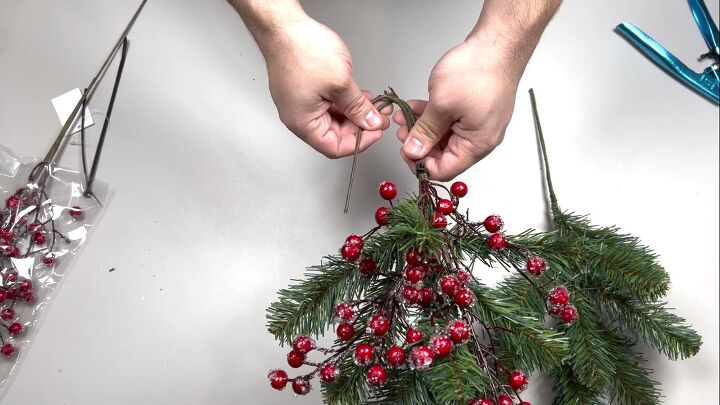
<point x="427" y="129"/>
<point x="356" y="106"/>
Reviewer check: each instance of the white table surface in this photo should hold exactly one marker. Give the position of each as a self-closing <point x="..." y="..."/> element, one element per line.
<point x="216" y="206"/>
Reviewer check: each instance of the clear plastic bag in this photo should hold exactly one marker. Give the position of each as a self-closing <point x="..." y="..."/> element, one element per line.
<point x="45" y="219"/>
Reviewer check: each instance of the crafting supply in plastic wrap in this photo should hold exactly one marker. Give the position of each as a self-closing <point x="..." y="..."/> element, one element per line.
<point x="45" y="219"/>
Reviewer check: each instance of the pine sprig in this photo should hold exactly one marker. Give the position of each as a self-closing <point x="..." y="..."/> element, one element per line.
<point x="632" y="382"/>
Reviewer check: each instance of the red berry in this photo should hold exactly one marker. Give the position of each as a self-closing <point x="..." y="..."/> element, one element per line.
<point x="493" y="223"/>
<point x="425" y="296"/>
<point x="413" y="257"/>
<point x="7" y="349"/>
<point x="345" y="331"/>
<point x="11" y="294"/>
<point x="395" y="356"/>
<point x="295" y="359"/>
<point x="301" y="386"/>
<point x="448" y="285"/>
<point x="14" y="252"/>
<point x="39" y="238"/>
<point x="329" y="373"/>
<point x="382" y="216"/>
<point x="421" y="357"/>
<point x="459" y="331"/>
<point x="463" y="297"/>
<point x="377" y="375"/>
<point x="35" y="227"/>
<point x="29" y="297"/>
<point x="25" y="286"/>
<point x="388" y="190"/>
<point x="15" y="328"/>
<point x="12" y="202"/>
<point x="303" y="344"/>
<point x="411" y="294"/>
<point x="441" y="345"/>
<point x="350" y="252"/>
<point x="278" y="379"/>
<point x="517" y="380"/>
<point x="344" y="311"/>
<point x="482" y="401"/>
<point x="459" y="189"/>
<point x="379" y="325"/>
<point x="413" y="335"/>
<point x="505" y="400"/>
<point x="439" y="221"/>
<point x="364" y="354"/>
<point x="48" y="259"/>
<point x="414" y="274"/>
<point x="536" y="265"/>
<point x="5" y="248"/>
<point x="75" y="212"/>
<point x="2" y="296"/>
<point x="462" y="276"/>
<point x="444" y="206"/>
<point x="497" y="241"/>
<point x="7" y="314"/>
<point x="559" y="296"/>
<point x="367" y="266"/>
<point x="569" y="314"/>
<point x="355" y="240"/>
<point x="7" y="234"/>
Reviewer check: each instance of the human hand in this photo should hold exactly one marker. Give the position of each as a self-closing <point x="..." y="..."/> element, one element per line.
<point x="310" y="77"/>
<point x="471" y="100"/>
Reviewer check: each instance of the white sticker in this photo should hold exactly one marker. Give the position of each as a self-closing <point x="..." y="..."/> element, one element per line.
<point x="65" y="104"/>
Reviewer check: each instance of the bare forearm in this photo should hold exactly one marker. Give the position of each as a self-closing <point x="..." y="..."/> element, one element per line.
<point x="267" y="19"/>
<point x="511" y="29"/>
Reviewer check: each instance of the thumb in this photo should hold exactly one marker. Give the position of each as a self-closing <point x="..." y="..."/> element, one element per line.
<point x="356" y="107"/>
<point x="426" y="133"/>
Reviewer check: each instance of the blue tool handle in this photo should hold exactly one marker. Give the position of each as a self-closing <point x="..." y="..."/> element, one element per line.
<point x="705" y="23"/>
<point x="701" y="83"/>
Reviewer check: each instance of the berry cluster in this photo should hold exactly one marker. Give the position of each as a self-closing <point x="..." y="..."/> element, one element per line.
<point x="436" y="286"/>
<point x="27" y="229"/>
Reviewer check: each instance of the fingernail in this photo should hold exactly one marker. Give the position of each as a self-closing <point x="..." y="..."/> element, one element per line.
<point x="373" y="120"/>
<point x="413" y="145"/>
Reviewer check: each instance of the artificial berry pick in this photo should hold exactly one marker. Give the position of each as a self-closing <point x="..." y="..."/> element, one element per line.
<point x="459" y="189"/>
<point x="278" y="379"/>
<point x="388" y="190"/>
<point x="517" y="381"/>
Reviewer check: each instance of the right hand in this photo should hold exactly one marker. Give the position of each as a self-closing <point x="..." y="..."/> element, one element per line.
<point x="310" y="74"/>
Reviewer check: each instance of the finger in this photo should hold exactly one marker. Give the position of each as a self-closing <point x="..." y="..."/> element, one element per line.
<point x="356" y="106"/>
<point x="458" y="155"/>
<point x="418" y="106"/>
<point x="432" y="125"/>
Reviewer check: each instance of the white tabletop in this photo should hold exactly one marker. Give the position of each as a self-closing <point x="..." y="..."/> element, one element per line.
<point x="216" y="206"/>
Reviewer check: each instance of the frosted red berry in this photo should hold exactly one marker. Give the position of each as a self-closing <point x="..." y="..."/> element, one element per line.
<point x="559" y="296"/>
<point x="278" y="379"/>
<point x="355" y="240"/>
<point x="536" y="265"/>
<point x="7" y="314"/>
<point x="444" y="206"/>
<point x="7" y="349"/>
<point x="39" y="238"/>
<point x="329" y="373"/>
<point x="48" y="259"/>
<point x="463" y="297"/>
<point x="459" y="331"/>
<point x="493" y="223"/>
<point x="448" y="285"/>
<point x="35" y="227"/>
<point x="345" y="331"/>
<point x="301" y="386"/>
<point x="497" y="241"/>
<point x="350" y="252"/>
<point x="15" y="328"/>
<point x="411" y="294"/>
<point x="7" y="234"/>
<point x="379" y="325"/>
<point x="376" y="375"/>
<point x="505" y="400"/>
<point x="367" y="266"/>
<point x="395" y="356"/>
<point x="295" y="359"/>
<point x="364" y="354"/>
<point x="413" y="335"/>
<point x="416" y="273"/>
<point x="462" y="276"/>
<point x="29" y="297"/>
<point x="425" y="297"/>
<point x="25" y="286"/>
<point x="439" y="221"/>
<point x="459" y="189"/>
<point x="388" y="190"/>
<point x="75" y="212"/>
<point x="517" y="380"/>
<point x="382" y="216"/>
<point x="344" y="311"/>
<point x="12" y="202"/>
<point x="441" y="345"/>
<point x="413" y="257"/>
<point x="303" y="344"/>
<point x="421" y="357"/>
<point x="569" y="314"/>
